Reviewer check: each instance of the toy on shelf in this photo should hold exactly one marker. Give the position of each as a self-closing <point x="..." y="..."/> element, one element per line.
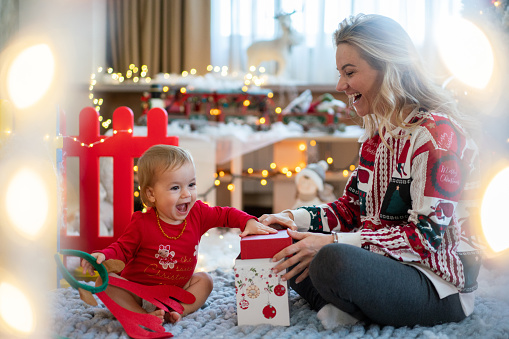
<point x="324" y="111"/>
<point x="311" y="186"/>
<point x="262" y="298"/>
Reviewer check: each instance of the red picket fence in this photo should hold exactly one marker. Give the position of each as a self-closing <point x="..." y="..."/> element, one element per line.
<point x="123" y="147"/>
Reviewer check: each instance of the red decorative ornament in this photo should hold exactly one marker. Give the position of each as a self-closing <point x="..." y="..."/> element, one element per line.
<point x="279" y="290"/>
<point x="244" y="304"/>
<point x="269" y="311"/>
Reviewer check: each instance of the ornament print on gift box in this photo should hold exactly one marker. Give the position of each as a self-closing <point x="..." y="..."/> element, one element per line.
<point x="255" y="283"/>
<point x="252" y="290"/>
<point x="279" y="290"/>
<point x="268" y="311"/>
<point x="239" y="286"/>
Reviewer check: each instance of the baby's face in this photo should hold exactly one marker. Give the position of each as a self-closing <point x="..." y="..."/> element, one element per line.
<point x="174" y="193"/>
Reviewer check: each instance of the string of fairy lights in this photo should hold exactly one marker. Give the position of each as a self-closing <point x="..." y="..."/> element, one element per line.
<point x="136" y="75"/>
<point x="255" y="77"/>
<point x="223" y="177"/>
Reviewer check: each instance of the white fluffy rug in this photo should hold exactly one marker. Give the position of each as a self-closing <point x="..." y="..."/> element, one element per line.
<point x="72" y="318"/>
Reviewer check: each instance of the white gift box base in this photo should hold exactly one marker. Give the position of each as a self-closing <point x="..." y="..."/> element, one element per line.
<point x="262" y="298"/>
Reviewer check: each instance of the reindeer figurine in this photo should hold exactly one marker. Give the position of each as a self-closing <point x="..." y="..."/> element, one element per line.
<point x="277" y="49"/>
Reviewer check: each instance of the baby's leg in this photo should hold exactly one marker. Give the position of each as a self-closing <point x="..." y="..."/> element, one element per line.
<point x="127" y="299"/>
<point x="200" y="285"/>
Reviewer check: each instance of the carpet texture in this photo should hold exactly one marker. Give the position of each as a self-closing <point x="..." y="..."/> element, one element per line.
<point x="72" y="318"/>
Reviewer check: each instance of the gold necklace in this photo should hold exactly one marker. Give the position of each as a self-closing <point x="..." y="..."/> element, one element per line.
<point x="166" y="235"/>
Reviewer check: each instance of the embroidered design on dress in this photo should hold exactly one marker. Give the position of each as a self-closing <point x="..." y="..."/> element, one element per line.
<point x="166" y="257"/>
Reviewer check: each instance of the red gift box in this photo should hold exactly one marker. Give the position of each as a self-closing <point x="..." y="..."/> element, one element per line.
<point x="263" y="246"/>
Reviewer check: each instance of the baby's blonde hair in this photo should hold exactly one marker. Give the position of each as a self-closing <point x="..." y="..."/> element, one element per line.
<point x="156" y="160"/>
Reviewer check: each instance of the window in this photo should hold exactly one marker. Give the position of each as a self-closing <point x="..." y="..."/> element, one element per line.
<point x="236" y="24"/>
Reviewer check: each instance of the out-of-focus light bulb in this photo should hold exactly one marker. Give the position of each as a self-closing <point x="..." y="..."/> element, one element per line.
<point x="493" y="206"/>
<point x="30" y="75"/>
<point x="466" y="52"/>
<point x="15" y="309"/>
<point x="27" y="188"/>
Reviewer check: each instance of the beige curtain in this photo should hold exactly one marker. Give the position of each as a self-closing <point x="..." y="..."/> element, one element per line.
<point x="168" y="36"/>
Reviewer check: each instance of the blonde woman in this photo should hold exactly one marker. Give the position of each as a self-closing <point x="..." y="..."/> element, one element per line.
<point x="396" y="249"/>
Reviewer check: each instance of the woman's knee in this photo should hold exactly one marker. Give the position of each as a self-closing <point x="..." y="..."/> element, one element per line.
<point x="332" y="260"/>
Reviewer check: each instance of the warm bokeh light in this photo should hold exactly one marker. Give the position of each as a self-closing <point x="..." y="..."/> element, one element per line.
<point x="215" y="111"/>
<point x="15" y="309"/>
<point x="466" y="51"/>
<point x="494" y="223"/>
<point x="302" y="147"/>
<point x="30" y="75"/>
<point x="6" y="119"/>
<point x="27" y="190"/>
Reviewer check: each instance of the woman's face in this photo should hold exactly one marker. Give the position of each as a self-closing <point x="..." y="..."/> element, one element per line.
<point x="357" y="78"/>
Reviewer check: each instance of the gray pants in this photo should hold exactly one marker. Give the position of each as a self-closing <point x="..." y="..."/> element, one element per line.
<point x="375" y="289"/>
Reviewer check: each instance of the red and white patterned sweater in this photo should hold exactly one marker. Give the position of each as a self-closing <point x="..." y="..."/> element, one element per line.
<point x="415" y="204"/>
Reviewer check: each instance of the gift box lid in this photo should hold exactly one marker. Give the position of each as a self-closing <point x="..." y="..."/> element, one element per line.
<point x="263" y="246"/>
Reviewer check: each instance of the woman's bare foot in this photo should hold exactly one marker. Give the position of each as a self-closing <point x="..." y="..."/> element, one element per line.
<point x="172" y="317"/>
<point x="159" y="313"/>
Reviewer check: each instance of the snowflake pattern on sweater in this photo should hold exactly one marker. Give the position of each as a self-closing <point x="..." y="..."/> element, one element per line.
<point x="415" y="204"/>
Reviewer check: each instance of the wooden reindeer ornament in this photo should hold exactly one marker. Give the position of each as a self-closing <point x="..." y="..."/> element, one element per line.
<point x="275" y="50"/>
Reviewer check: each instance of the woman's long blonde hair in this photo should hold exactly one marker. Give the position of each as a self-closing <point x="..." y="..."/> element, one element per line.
<point x="385" y="45"/>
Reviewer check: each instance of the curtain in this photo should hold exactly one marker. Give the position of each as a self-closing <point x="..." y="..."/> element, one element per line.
<point x="236" y="24"/>
<point x="168" y="36"/>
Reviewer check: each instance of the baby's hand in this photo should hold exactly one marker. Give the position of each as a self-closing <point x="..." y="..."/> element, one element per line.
<point x="255" y="227"/>
<point x="87" y="267"/>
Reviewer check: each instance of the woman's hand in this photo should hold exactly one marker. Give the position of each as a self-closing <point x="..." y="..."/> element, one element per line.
<point x="255" y="227"/>
<point x="284" y="219"/>
<point x="87" y="267"/>
<point x="301" y="253"/>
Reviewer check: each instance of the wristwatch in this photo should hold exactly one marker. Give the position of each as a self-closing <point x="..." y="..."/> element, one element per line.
<point x="335" y="236"/>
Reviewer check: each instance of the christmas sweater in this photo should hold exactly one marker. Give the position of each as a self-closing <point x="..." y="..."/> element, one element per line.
<point x="415" y="204"/>
<point x="151" y="258"/>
